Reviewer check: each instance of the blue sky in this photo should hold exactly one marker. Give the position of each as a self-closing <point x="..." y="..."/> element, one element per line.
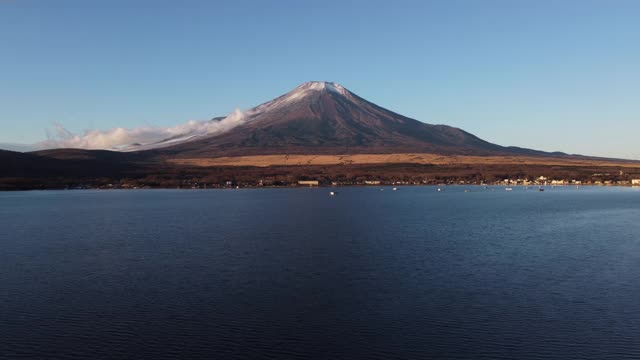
<point x="550" y="75"/>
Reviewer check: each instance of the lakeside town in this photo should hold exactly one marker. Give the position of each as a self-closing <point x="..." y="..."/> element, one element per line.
<point x="599" y="180"/>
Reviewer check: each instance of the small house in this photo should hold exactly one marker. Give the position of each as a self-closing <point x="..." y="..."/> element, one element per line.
<point x="308" y="182"/>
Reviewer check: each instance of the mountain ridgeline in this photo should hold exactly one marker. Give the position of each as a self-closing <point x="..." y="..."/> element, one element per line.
<point x="326" y="118"/>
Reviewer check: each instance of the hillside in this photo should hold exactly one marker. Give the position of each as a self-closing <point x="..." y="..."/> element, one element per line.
<point x="326" y="118"/>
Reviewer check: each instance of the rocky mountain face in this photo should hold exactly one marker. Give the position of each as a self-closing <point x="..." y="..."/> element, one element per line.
<point x="326" y="118"/>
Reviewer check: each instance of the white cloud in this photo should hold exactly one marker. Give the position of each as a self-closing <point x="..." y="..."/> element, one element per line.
<point x="122" y="138"/>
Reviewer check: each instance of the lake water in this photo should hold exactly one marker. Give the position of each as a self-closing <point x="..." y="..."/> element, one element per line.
<point x="298" y="274"/>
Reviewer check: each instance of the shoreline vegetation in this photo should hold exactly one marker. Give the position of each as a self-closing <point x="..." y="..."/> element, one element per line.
<point x="292" y="186"/>
<point x="76" y="169"/>
<point x="304" y="177"/>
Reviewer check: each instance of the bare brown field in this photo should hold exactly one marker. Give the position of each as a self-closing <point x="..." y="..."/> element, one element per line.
<point x="416" y="158"/>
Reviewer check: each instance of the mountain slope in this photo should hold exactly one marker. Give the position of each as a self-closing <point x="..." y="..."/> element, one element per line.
<point x="326" y="118"/>
<point x="66" y="162"/>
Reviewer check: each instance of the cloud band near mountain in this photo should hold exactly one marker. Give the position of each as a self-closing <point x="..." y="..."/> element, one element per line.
<point x="134" y="138"/>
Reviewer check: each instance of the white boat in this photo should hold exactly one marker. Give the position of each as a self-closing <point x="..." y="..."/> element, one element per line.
<point x="333" y="193"/>
<point x="508" y="189"/>
<point x="394" y="189"/>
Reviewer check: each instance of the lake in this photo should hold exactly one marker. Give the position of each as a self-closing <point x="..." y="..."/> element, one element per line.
<point x="464" y="273"/>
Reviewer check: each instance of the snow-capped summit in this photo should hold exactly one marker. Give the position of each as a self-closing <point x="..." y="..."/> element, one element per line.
<point x="322" y="85"/>
<point x="306" y="91"/>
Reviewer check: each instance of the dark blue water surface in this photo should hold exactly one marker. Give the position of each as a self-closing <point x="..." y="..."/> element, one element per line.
<point x="298" y="274"/>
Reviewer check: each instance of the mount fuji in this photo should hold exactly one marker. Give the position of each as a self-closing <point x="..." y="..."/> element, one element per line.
<point x="325" y="118"/>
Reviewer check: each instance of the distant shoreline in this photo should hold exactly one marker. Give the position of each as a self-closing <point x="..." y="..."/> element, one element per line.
<point x="501" y="186"/>
<point x="115" y="170"/>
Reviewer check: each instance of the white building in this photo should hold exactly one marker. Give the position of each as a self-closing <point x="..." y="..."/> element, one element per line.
<point x="308" y="182"/>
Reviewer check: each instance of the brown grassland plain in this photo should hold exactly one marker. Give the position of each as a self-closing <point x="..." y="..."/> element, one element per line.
<point x="412" y="158"/>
